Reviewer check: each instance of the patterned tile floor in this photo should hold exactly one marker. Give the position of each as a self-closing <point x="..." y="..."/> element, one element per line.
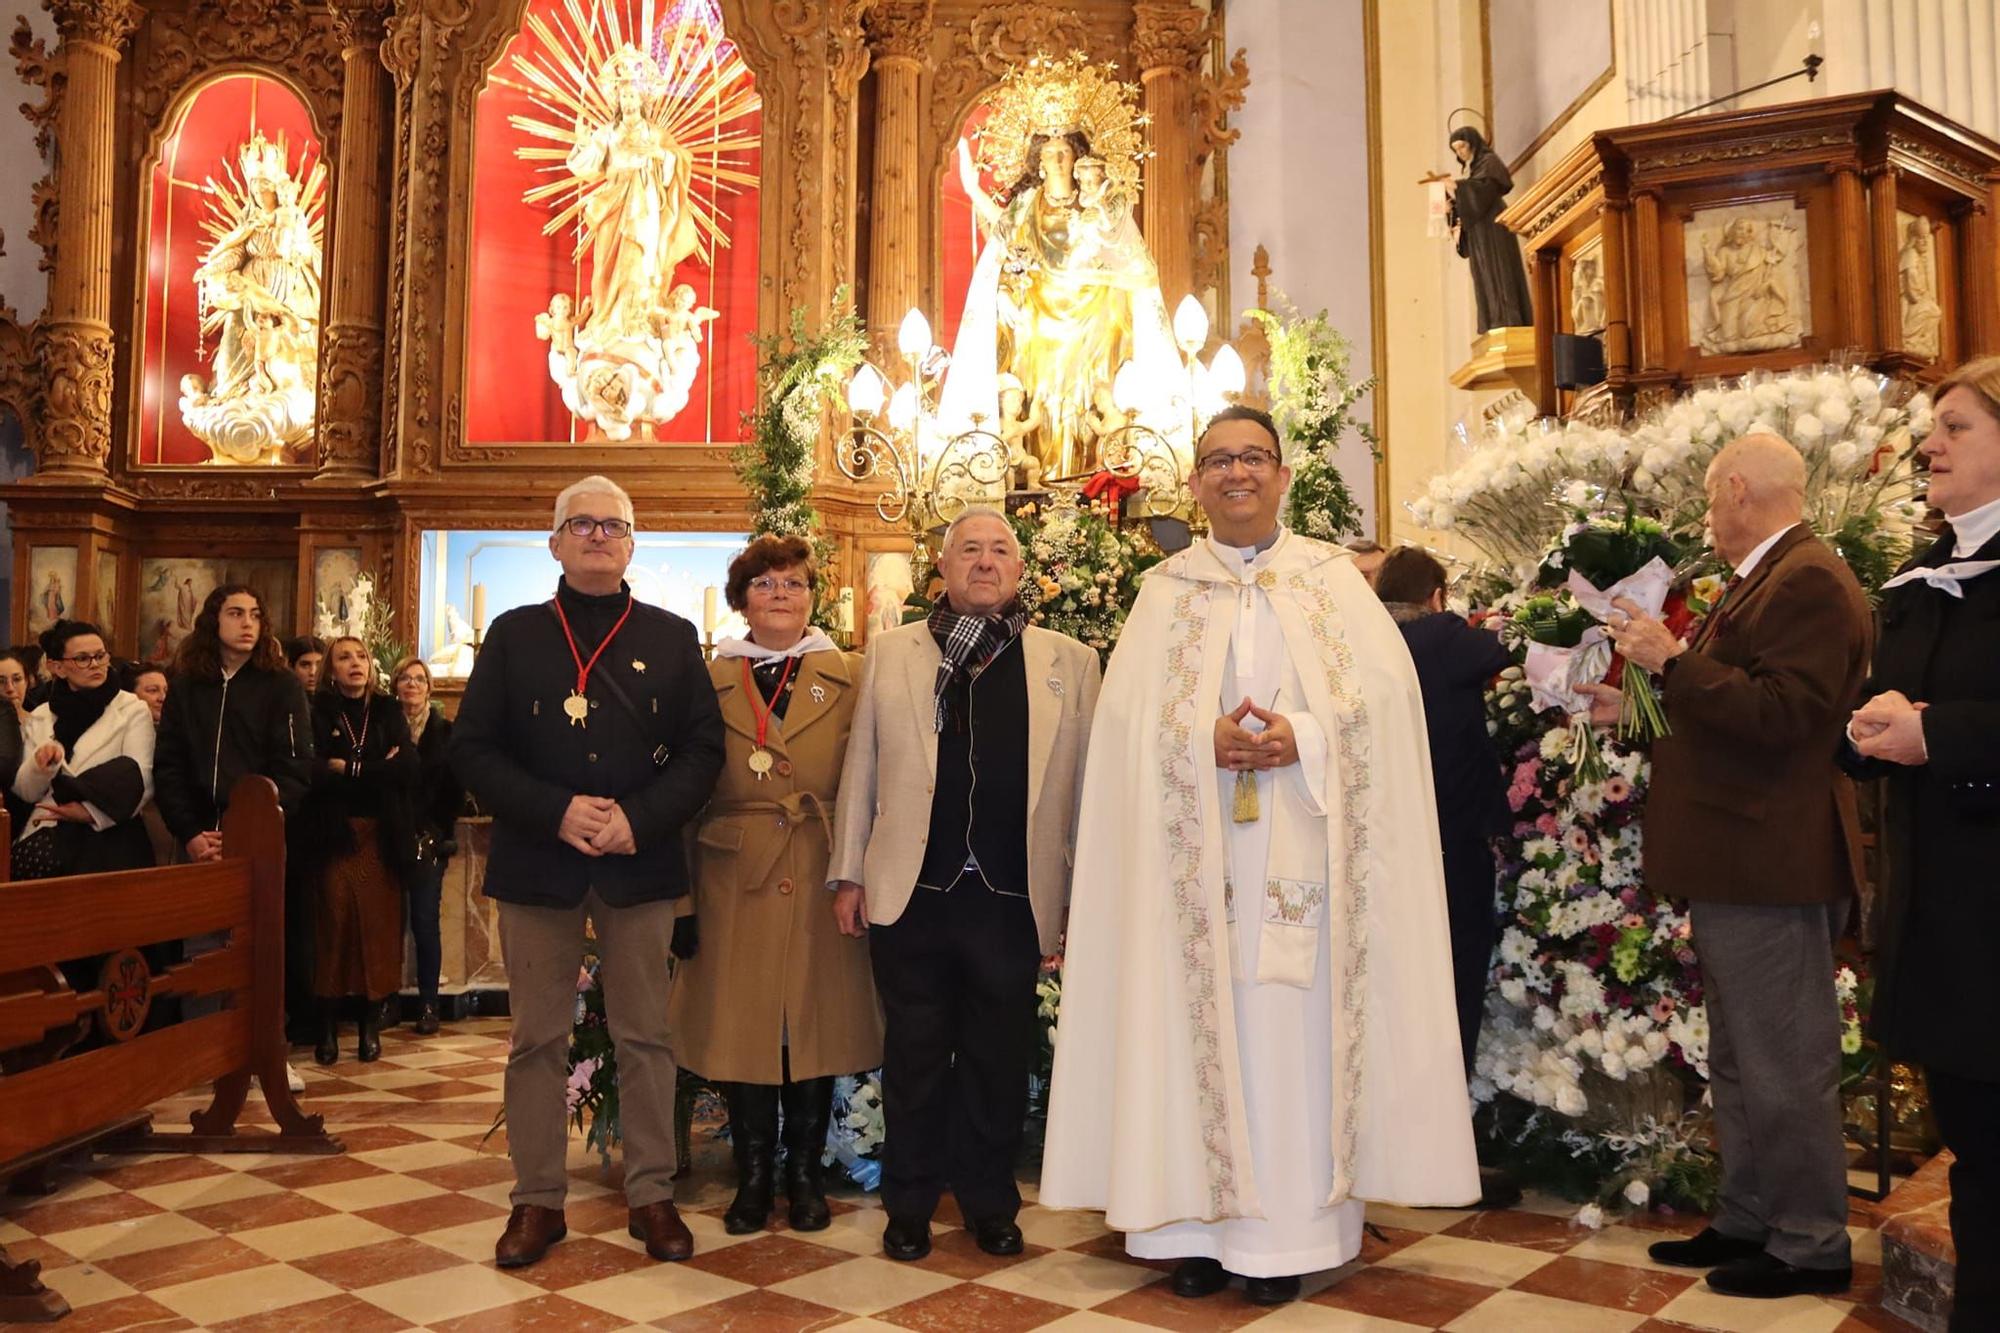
<point x="398" y="1233"/>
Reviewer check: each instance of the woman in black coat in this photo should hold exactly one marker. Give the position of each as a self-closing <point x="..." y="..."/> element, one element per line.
<point x="1930" y="725"/>
<point x="359" y="838"/>
<point x="434" y="809"/>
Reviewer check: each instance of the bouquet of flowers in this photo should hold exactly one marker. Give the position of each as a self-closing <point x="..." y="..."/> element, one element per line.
<point x="1081" y="571"/>
<point x="1603" y="558"/>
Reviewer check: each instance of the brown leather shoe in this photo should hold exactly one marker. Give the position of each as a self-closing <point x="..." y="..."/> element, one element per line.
<point x="667" y="1237"/>
<point x="530" y="1231"/>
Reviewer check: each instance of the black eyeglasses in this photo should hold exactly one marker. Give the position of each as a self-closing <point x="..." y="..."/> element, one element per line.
<point x="88" y="659"/>
<point x="1217" y="464"/>
<point x="614" y="528"/>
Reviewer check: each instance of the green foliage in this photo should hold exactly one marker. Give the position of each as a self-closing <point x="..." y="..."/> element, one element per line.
<point x="1871" y="553"/>
<point x="798" y="374"/>
<point x="1081" y="573"/>
<point x="1313" y="401"/>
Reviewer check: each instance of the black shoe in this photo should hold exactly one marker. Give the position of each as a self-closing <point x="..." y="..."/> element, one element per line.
<point x="1196" y="1278"/>
<point x="906" y="1241"/>
<point x="369" y="1045"/>
<point x="427" y="1020"/>
<point x="327" y="1050"/>
<point x="753" y="1136"/>
<point x="808" y="1107"/>
<point x="1706" y="1250"/>
<point x="996" y="1235"/>
<point x="1497" y="1189"/>
<point x="1767" y="1277"/>
<point x="1270" y="1290"/>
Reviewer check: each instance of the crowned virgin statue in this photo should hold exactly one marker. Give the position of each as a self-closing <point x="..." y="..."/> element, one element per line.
<point x="1064" y="292"/>
<point x="258" y="286"/>
<point x="639" y="151"/>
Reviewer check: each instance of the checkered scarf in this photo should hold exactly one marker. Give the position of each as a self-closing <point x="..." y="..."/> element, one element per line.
<point x="968" y="644"/>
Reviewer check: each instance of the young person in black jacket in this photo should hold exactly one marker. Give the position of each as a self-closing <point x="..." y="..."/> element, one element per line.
<point x="590" y="731"/>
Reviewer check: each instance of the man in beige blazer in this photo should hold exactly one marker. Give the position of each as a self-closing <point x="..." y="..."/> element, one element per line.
<point x="956" y="832"/>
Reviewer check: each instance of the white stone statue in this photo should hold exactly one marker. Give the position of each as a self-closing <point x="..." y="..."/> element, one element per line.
<point x="1752" y="286"/>
<point x="1916" y="277"/>
<point x="1586" y="295"/>
<point x="454" y="656"/>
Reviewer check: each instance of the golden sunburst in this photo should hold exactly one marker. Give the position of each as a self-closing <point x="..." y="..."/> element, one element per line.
<point x="1050" y="96"/>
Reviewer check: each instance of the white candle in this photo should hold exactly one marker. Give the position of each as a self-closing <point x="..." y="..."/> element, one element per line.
<point x="709" y="617"/>
<point x="479" y="607"/>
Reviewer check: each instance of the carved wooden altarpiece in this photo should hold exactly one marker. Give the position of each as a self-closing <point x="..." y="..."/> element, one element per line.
<point x="862" y="104"/>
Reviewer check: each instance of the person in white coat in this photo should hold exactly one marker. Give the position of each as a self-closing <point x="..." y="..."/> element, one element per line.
<point x="1257" y="1029"/>
<point x="86" y="765"/>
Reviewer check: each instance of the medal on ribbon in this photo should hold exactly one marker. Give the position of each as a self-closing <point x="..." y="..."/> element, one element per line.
<point x="577" y="707"/>
<point x="760" y="760"/>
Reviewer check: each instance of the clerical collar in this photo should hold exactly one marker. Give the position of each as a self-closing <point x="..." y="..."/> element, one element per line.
<point x="1245" y="556"/>
<point x="1974" y="528"/>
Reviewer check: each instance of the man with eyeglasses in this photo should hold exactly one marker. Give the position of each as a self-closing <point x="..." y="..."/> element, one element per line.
<point x="590" y="733"/>
<point x="1258" y="1029"/>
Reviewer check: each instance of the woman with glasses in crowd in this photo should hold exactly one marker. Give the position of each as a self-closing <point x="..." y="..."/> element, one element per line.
<point x="775" y="1001"/>
<point x="437" y="798"/>
<point x="86" y="765"/>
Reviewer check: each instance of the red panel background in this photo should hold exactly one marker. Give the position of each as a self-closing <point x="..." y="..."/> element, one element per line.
<point x="212" y="129"/>
<point x="515" y="269"/>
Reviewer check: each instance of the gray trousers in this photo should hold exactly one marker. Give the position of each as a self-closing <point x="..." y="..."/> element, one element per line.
<point x="544" y="950"/>
<point x="1774" y="1074"/>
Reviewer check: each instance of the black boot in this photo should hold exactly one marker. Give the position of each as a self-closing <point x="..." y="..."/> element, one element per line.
<point x="808" y="1106"/>
<point x="753" y="1134"/>
<point x="369" y="1047"/>
<point x="328" y="1050"/>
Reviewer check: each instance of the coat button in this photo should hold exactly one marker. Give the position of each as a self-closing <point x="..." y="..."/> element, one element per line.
<point x="593" y="756"/>
<point x="784" y="768"/>
<point x="784" y="886"/>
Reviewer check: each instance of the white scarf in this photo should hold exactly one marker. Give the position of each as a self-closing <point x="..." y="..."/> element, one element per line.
<point x="813" y="641"/>
<point x="1946" y="577"/>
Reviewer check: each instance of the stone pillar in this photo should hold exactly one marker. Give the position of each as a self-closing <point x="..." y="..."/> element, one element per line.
<point x="73" y="339"/>
<point x="1168" y="41"/>
<point x="898" y="35"/>
<point x="350" y="365"/>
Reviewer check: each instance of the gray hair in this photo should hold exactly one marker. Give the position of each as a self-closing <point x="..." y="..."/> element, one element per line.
<point x="593" y="485"/>
<point x="977" y="511"/>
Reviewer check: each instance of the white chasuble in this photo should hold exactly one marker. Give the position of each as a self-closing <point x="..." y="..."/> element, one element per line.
<point x="1257" y="1029"/>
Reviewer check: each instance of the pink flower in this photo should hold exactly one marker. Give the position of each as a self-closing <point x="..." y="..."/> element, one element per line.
<point x="1633" y="921"/>
<point x="1547" y="825"/>
<point x="1663" y="1008"/>
<point x="1616" y="789"/>
<point x="1577" y="840"/>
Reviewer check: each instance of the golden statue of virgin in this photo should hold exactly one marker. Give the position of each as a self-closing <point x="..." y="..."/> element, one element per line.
<point x="627" y="126"/>
<point x="259" y="290"/>
<point x="1065" y="291"/>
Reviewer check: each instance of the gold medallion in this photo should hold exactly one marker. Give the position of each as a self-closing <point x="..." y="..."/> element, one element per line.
<point x="760" y="763"/>
<point x="638" y="666"/>
<point x="577" y="707"/>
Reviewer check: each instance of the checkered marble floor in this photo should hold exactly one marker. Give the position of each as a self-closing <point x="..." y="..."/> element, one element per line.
<point x="398" y="1233"/>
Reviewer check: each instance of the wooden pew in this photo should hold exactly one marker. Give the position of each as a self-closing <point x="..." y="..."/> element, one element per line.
<point x="55" y="1102"/>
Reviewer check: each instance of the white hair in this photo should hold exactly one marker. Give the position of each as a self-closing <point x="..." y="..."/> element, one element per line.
<point x="977" y="511"/>
<point x="593" y="485"/>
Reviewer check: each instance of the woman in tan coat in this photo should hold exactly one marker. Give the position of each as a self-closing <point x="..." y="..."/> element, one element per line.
<point x="775" y="1001"/>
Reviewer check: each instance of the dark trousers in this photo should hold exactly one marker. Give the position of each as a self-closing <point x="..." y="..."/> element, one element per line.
<point x="956" y="974"/>
<point x="1968" y="1116"/>
<point x="1774" y="1076"/>
<point x="425" y="894"/>
<point x="1475" y="929"/>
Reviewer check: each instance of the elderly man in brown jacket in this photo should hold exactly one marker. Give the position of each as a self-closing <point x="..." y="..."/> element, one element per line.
<point x="1750" y="820"/>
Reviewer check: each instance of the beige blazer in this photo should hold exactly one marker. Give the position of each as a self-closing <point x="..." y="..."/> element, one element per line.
<point x="891" y="770"/>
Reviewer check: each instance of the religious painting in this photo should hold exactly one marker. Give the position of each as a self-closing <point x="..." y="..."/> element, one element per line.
<point x="51" y="589"/>
<point x="1917" y="285"/>
<point x="1747" y="288"/>
<point x="335" y="583"/>
<point x="891" y="578"/>
<point x="107" y="593"/>
<point x="235" y="214"/>
<point x="172" y="590"/>
<point x="614" y="228"/>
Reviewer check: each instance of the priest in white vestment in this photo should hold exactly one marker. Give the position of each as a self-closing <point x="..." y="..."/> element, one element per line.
<point x="1257" y="1030"/>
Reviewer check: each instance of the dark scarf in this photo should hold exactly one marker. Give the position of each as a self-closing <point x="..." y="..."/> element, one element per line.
<point x="76" y="711"/>
<point x="968" y="643"/>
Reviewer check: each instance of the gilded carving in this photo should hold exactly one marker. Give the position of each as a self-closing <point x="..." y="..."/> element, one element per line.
<point x="1949" y="163"/>
<point x="359" y="23"/>
<point x="20" y="370"/>
<point x="1744" y="148"/>
<point x="1168" y="36"/>
<point x="282" y="34"/>
<point x="75" y="408"/>
<point x="1217" y="93"/>
<point x="103" y="22"/>
<point x="39" y="68"/>
<point x="901" y="29"/>
<point x="350" y="398"/>
<point x="1554" y="212"/>
<point x="997" y="38"/>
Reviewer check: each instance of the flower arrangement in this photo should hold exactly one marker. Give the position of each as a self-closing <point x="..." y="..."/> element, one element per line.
<point x="1312" y="400"/>
<point x="856" y="1128"/>
<point x="1081" y="571"/>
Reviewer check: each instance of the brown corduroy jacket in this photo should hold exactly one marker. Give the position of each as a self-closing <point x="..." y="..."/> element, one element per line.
<point x="1747" y="805"/>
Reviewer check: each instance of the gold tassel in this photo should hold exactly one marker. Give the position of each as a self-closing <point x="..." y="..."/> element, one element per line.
<point x="1244" y="808"/>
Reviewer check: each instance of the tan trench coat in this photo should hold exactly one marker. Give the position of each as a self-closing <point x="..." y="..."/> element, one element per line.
<point x="772" y="965"/>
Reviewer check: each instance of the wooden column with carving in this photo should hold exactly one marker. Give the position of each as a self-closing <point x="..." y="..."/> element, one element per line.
<point x="1652" y="331"/>
<point x="1887" y="247"/>
<point x="1981" y="335"/>
<point x="350" y="385"/>
<point x="73" y="340"/>
<point x="1168" y="42"/>
<point x="1850" y="212"/>
<point x="1617" y="306"/>
<point x="899" y="33"/>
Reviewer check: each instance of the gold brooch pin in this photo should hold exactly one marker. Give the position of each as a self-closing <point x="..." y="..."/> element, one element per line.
<point x="638" y="666"/>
